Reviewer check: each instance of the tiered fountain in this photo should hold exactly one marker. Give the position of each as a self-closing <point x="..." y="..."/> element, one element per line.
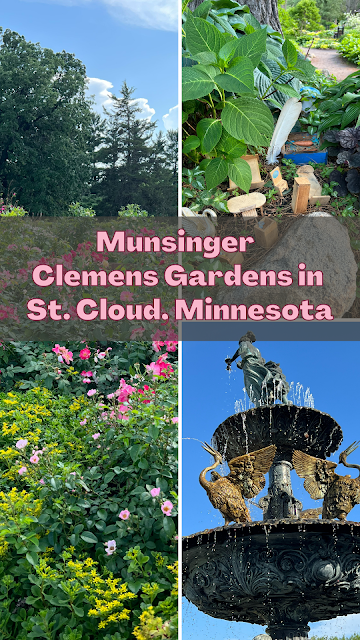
<point x="290" y="568"/>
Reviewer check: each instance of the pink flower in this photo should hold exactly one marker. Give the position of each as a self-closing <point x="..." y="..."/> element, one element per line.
<point x="125" y="514"/>
<point x="91" y="392"/>
<point x="110" y="547"/>
<point x="136" y="332"/>
<point x="174" y="420"/>
<point x="101" y="355"/>
<point x="22" y="471"/>
<point x="34" y="459"/>
<point x="87" y="374"/>
<point x="157" y="344"/>
<point x="21" y="444"/>
<point x="110" y="396"/>
<point x="155" y="492"/>
<point x="85" y="353"/>
<point x="83" y="422"/>
<point x="167" y="507"/>
<point x="96" y="436"/>
<point x="127" y="296"/>
<point x="171" y="345"/>
<point x="56" y="349"/>
<point x="42" y="481"/>
<point x="160" y="368"/>
<point x="86" y="380"/>
<point x="63" y="354"/>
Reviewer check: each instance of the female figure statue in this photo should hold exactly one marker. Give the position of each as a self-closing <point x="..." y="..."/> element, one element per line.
<point x="264" y="381"/>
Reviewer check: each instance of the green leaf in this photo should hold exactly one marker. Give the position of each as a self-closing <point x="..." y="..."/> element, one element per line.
<point x="153" y="431"/>
<point x="227" y="50"/>
<point x="208" y="69"/>
<point x="203" y="9"/>
<point x="352" y="111"/>
<point x="306" y="69"/>
<point x="248" y="119"/>
<point x="195" y="84"/>
<point x="33" y="558"/>
<point x="290" y="53"/>
<point x="239" y="78"/>
<point x="349" y="97"/>
<point x="169" y="526"/>
<point x="287" y="89"/>
<point x="101" y="513"/>
<point x="232" y="147"/>
<point x="209" y="131"/>
<point x="216" y="172"/>
<point x="201" y="36"/>
<point x="205" y="57"/>
<point x="252" y="46"/>
<point x="89" y="537"/>
<point x="184" y="116"/>
<point x="109" y="476"/>
<point x="192" y="142"/>
<point x="330" y="121"/>
<point x="240" y="173"/>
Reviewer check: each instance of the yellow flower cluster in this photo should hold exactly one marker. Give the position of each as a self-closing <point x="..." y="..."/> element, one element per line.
<point x="150" y="626"/>
<point x="17" y="504"/>
<point x="3" y="548"/>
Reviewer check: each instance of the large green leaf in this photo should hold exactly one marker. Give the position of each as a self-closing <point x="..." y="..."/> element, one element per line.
<point x="252" y="46"/>
<point x="209" y="131"/>
<point x="227" y="51"/>
<point x="192" y="142"/>
<point x="239" y="78"/>
<point x="287" y="89"/>
<point x="248" y="119"/>
<point x="306" y="69"/>
<point x="195" y="83"/>
<point x="290" y="53"/>
<point x="333" y="120"/>
<point x="232" y="147"/>
<point x="89" y="537"/>
<point x="216" y="172"/>
<point x="349" y="97"/>
<point x="205" y="57"/>
<point x="203" y="9"/>
<point x="240" y="173"/>
<point x="201" y="36"/>
<point x="351" y="113"/>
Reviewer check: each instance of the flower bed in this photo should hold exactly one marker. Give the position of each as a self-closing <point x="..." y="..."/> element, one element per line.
<point x="87" y="504"/>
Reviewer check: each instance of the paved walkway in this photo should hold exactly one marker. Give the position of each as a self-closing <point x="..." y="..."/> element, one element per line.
<point x="331" y="60"/>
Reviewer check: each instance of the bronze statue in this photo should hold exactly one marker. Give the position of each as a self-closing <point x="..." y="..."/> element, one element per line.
<point x="340" y="493"/>
<point x="264" y="381"/>
<point x="245" y="480"/>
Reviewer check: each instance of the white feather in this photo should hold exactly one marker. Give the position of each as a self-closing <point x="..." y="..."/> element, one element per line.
<point x="199" y="224"/>
<point x="288" y="116"/>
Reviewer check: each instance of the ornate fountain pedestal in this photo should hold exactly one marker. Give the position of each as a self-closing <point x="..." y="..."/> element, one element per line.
<point x="283" y="572"/>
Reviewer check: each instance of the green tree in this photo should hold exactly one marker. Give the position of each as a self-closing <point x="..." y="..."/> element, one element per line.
<point x="134" y="163"/>
<point x="45" y="125"/>
<point x="307" y="15"/>
<point x="331" y="10"/>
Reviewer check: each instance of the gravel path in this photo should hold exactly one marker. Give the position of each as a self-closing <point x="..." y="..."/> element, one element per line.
<point x="331" y="60"/>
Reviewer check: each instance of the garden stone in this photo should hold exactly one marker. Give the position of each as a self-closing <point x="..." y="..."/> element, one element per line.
<point x="322" y="244"/>
<point x="339" y="178"/>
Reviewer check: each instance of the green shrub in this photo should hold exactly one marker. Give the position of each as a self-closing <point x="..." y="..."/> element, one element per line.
<point x="350" y="47"/>
<point x="87" y="493"/>
<point x="25" y="365"/>
<point x="306" y="15"/>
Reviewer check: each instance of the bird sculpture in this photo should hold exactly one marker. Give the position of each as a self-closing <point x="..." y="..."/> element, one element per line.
<point x="196" y="224"/>
<point x="245" y="480"/>
<point x="340" y="493"/>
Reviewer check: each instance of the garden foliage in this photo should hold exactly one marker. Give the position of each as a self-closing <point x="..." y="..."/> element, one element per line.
<point x="235" y="69"/>
<point x="87" y="506"/>
<point x="339" y="105"/>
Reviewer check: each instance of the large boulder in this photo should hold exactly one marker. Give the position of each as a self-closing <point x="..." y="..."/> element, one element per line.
<point x="323" y="244"/>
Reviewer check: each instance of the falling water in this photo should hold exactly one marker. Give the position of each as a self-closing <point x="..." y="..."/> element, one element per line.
<point x="297" y="395"/>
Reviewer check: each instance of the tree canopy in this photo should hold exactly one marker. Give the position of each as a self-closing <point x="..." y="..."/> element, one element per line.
<point x="45" y="125"/>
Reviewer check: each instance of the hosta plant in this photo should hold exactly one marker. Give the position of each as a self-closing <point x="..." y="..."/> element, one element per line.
<point x="233" y="70"/>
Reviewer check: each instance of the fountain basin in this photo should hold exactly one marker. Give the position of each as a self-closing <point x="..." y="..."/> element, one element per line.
<point x="283" y="574"/>
<point x="289" y="427"/>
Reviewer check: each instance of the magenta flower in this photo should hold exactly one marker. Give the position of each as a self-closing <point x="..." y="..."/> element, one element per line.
<point x="85" y="353"/>
<point x="167" y="507"/>
<point x="91" y="392"/>
<point x="83" y="422"/>
<point x="110" y="547"/>
<point x="86" y="380"/>
<point x="125" y="514"/>
<point x="157" y="344"/>
<point x="21" y="444"/>
<point x="174" y="420"/>
<point x="155" y="491"/>
<point x="96" y="436"/>
<point x="22" y="471"/>
<point x="42" y="481"/>
<point x="87" y="374"/>
<point x="34" y="459"/>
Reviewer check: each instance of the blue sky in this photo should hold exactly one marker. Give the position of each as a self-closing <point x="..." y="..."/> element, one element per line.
<point x="117" y="40"/>
<point x="330" y="370"/>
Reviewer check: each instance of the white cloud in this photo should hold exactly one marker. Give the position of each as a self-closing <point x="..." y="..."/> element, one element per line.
<point x="341" y="626"/>
<point x="170" y="119"/>
<point x="100" y="90"/>
<point x="150" y="14"/>
<point x="146" y="112"/>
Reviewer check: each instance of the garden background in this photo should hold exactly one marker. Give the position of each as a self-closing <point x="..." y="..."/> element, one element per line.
<point x="88" y="490"/>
